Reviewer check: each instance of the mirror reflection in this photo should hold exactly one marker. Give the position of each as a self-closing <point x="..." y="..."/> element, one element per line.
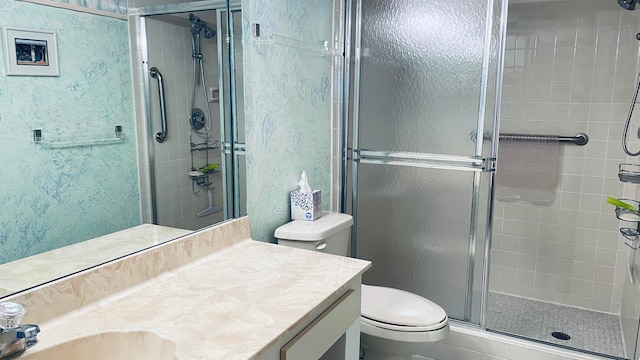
<point x="85" y="193"/>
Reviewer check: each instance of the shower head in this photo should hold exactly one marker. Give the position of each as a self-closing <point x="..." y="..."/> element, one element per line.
<point x="208" y="31"/>
<point x="628" y="4"/>
<point x="198" y="25"/>
<point x="196" y="28"/>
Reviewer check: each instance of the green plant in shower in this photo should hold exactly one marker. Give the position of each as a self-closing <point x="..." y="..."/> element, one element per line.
<point x="622" y="204"/>
<point x="209" y="168"/>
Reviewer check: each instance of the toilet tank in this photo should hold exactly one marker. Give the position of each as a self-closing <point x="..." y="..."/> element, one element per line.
<point x="330" y="233"/>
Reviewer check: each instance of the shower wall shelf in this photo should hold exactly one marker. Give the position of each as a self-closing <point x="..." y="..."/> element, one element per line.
<point x="205" y="146"/>
<point x="630" y="233"/>
<point x="203" y="179"/>
<point x="201" y="174"/>
<point x="198" y="174"/>
<point x="629" y="173"/>
<point x="628" y="215"/>
<point x="321" y="47"/>
<point x="85" y="141"/>
<point x="214" y="95"/>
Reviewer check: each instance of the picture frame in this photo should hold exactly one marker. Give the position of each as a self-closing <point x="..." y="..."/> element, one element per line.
<point x="30" y="52"/>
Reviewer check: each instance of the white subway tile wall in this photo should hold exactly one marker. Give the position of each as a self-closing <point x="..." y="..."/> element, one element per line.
<point x="570" y="67"/>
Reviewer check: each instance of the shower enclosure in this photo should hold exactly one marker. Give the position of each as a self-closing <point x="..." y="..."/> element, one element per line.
<point x="576" y="61"/>
<point x="432" y="208"/>
<point x="195" y="144"/>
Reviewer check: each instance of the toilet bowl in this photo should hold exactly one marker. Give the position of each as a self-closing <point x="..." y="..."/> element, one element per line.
<point x="394" y="324"/>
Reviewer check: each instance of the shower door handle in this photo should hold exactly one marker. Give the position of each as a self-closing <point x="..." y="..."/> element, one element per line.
<point x="155" y="73"/>
<point x="425" y="160"/>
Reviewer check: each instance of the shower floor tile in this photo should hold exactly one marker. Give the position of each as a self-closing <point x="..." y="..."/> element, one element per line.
<point x="589" y="330"/>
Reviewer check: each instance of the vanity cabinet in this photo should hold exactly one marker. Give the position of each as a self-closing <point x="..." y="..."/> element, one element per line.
<point x="256" y="300"/>
<point x="332" y="332"/>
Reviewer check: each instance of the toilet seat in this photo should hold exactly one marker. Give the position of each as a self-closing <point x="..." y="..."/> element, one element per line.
<point x="383" y="325"/>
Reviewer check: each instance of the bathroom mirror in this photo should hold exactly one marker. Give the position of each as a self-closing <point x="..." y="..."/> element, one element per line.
<point x="80" y="187"/>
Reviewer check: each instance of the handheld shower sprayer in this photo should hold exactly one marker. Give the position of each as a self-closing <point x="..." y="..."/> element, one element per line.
<point x="199" y="123"/>
<point x="194" y="20"/>
<point x="634" y="99"/>
<point x="197" y="25"/>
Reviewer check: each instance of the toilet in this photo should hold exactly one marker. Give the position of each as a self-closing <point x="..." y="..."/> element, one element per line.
<point x="394" y="324"/>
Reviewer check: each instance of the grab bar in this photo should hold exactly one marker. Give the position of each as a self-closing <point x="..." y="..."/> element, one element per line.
<point x="580" y="139"/>
<point x="155" y="73"/>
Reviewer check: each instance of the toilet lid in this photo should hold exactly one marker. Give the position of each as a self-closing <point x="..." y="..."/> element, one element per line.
<point x="399" y="307"/>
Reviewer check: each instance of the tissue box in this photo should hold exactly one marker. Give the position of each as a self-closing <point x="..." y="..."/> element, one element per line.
<point x="305" y="206"/>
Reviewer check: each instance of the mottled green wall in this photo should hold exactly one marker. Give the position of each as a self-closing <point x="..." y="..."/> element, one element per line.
<point x="52" y="198"/>
<point x="288" y="108"/>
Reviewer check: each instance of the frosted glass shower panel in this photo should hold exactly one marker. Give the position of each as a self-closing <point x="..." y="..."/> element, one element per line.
<point x="421" y="75"/>
<point x="413" y="223"/>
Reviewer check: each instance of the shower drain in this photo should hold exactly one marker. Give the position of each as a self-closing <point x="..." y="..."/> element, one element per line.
<point x="560" y="335"/>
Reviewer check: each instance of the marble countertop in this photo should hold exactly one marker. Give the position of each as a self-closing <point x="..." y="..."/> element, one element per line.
<point x="36" y="269"/>
<point x="231" y="304"/>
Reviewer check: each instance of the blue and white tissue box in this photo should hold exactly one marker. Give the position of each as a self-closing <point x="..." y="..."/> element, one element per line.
<point x="306" y="206"/>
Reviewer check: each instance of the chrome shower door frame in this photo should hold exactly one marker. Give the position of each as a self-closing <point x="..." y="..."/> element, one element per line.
<point x="232" y="145"/>
<point x="481" y="164"/>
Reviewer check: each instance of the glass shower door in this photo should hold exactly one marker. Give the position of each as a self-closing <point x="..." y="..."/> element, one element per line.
<point x="424" y="116"/>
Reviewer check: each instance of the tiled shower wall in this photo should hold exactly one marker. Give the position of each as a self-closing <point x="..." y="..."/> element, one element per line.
<point x="169" y="47"/>
<point x="570" y="67"/>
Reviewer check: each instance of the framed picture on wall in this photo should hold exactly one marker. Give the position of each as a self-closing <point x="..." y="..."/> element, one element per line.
<point x="30" y="52"/>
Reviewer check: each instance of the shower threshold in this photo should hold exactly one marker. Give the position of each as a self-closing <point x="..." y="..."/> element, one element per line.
<point x="580" y="329"/>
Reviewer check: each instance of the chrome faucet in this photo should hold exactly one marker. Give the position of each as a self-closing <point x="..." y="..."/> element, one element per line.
<point x="15" y="338"/>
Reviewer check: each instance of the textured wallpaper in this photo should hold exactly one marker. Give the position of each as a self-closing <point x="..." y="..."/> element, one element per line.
<point x="288" y="109"/>
<point x="51" y="198"/>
